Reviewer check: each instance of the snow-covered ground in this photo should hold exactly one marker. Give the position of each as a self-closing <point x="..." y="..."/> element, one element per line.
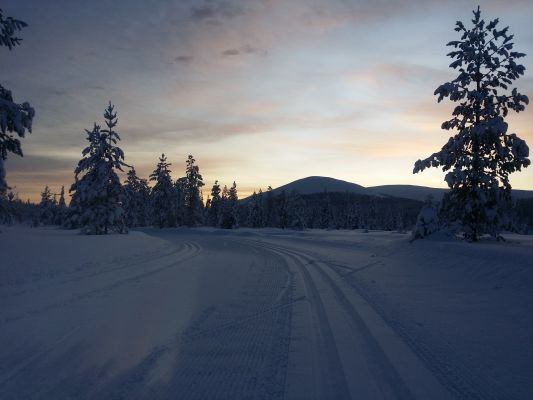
<point x="263" y="314"/>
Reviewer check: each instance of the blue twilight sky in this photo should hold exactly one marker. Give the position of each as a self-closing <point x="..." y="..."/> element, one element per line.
<point x="259" y="91"/>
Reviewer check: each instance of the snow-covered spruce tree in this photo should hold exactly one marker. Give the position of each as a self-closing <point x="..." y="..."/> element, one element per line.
<point x="207" y="207"/>
<point x="427" y="221"/>
<point x="233" y="204"/>
<point x="15" y="119"/>
<point x="255" y="212"/>
<point x="229" y="207"/>
<point x="296" y="208"/>
<point x="137" y="200"/>
<point x="223" y="207"/>
<point x="214" y="211"/>
<point x="192" y="201"/>
<point x="326" y="213"/>
<point x="98" y="196"/>
<point x="270" y="208"/>
<point x="162" y="198"/>
<point x="61" y="209"/>
<point x="481" y="154"/>
<point x="47" y="207"/>
<point x="179" y="200"/>
<point x="282" y="215"/>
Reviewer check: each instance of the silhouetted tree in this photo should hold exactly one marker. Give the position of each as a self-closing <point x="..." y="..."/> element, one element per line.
<point x="229" y="207"/>
<point x="162" y="199"/>
<point x="214" y="212"/>
<point x="97" y="193"/>
<point x="137" y="200"/>
<point x="179" y="199"/>
<point x="61" y="209"/>
<point x="481" y="155"/>
<point x="270" y="208"/>
<point x="15" y="119"/>
<point x="255" y="211"/>
<point x="296" y="210"/>
<point x="192" y="200"/>
<point x="46" y="207"/>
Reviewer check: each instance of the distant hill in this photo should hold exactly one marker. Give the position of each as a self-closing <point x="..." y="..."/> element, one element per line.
<point x="522" y="194"/>
<point x="319" y="184"/>
<point x="421" y="192"/>
<point x="407" y="191"/>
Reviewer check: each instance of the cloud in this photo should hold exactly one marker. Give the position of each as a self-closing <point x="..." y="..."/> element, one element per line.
<point x="231" y="52"/>
<point x="183" y="59"/>
<point x="29" y="174"/>
<point x="202" y="13"/>
<point x="246" y="49"/>
<point x="216" y="11"/>
<point x="31" y="163"/>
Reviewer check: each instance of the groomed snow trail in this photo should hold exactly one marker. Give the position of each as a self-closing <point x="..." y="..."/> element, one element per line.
<point x="210" y="314"/>
<point x="356" y="354"/>
<point x="196" y="317"/>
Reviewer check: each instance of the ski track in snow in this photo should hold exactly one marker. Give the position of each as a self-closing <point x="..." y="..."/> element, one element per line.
<point x="128" y="263"/>
<point x="456" y="378"/>
<point x="117" y="274"/>
<point x="223" y="316"/>
<point x="236" y="351"/>
<point x="189" y="251"/>
<point x="386" y="382"/>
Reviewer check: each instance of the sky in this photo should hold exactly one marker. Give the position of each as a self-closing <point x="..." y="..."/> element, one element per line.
<point x="262" y="92"/>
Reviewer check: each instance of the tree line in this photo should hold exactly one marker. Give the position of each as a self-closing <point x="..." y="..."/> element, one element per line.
<point x="478" y="159"/>
<point x="101" y="204"/>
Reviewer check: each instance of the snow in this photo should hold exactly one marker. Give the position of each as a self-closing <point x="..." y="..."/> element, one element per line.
<point x="263" y="314"/>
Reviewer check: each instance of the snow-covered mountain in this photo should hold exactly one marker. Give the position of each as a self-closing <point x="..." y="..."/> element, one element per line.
<point x="318" y="184"/>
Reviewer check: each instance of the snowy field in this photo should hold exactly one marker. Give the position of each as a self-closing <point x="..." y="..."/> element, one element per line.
<point x="263" y="314"/>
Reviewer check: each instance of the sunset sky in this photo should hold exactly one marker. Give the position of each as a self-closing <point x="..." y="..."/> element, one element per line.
<point x="259" y="91"/>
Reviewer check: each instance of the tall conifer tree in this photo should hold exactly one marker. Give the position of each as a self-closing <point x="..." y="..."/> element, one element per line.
<point x="97" y="195"/>
<point x="481" y="154"/>
<point x="192" y="199"/>
<point x="162" y="199"/>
